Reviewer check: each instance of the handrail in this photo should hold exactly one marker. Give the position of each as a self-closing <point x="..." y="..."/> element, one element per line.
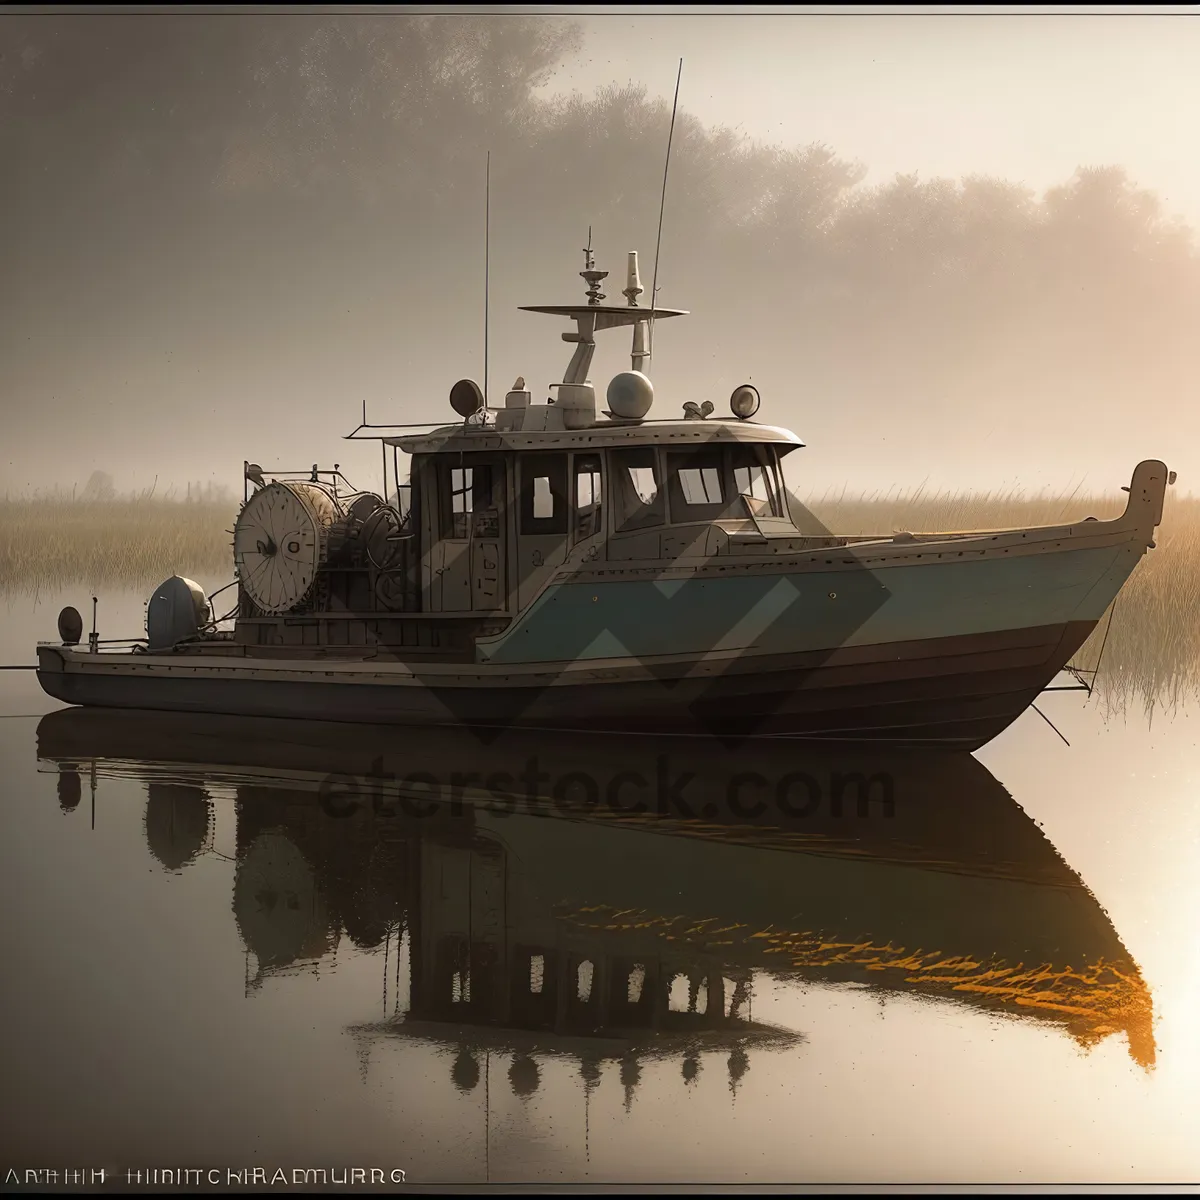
<point x="351" y="436"/>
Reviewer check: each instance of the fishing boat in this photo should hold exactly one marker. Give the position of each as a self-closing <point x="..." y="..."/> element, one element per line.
<point x="541" y="923"/>
<point x="555" y="566"/>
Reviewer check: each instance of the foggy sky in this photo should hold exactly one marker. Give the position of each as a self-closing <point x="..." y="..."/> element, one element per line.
<point x="1026" y="97"/>
<point x="198" y="272"/>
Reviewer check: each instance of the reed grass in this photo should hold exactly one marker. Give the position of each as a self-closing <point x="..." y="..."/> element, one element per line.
<point x="49" y="542"/>
<point x="1151" y="646"/>
<point x="917" y="510"/>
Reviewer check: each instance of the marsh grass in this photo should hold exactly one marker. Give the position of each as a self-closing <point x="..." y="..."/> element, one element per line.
<point x="918" y="510"/>
<point x="1151" y="652"/>
<point x="130" y="542"/>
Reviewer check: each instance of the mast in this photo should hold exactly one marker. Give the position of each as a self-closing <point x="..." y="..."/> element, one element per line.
<point x="585" y="322"/>
<point x="633" y="289"/>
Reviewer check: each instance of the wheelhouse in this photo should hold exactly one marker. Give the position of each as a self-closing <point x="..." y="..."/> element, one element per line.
<point x="498" y="505"/>
<point x="491" y="523"/>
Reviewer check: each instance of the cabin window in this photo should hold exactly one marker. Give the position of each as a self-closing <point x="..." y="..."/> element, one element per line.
<point x="461" y="486"/>
<point x="402" y="499"/>
<point x="694" y="479"/>
<point x="587" y="495"/>
<point x="464" y="492"/>
<point x="544" y="494"/>
<point x="543" y="498"/>
<point x="638" y="488"/>
<point x="754" y="476"/>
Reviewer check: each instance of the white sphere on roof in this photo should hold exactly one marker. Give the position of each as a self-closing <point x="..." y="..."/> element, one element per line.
<point x="630" y="395"/>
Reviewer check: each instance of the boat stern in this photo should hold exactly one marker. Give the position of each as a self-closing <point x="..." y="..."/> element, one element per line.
<point x="51" y="670"/>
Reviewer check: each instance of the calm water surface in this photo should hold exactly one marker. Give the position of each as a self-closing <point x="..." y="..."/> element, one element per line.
<point x="206" y="964"/>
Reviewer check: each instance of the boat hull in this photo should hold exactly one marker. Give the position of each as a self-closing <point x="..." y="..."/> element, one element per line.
<point x="946" y="692"/>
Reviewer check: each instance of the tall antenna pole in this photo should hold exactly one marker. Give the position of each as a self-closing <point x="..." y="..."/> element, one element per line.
<point x="662" y="204"/>
<point x="487" y="263"/>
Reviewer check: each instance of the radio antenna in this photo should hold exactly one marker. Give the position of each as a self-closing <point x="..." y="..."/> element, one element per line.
<point x="662" y="204"/>
<point x="487" y="262"/>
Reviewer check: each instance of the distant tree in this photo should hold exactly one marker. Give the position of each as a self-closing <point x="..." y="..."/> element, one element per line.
<point x="363" y="107"/>
<point x="99" y="487"/>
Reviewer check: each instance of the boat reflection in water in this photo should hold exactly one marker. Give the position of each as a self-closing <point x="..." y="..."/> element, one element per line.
<point x="542" y="918"/>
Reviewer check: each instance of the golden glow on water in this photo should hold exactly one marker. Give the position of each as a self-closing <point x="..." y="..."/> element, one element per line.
<point x="1089" y="1004"/>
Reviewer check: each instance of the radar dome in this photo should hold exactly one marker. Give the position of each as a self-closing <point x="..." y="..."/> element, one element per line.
<point x="178" y="610"/>
<point x="630" y="395"/>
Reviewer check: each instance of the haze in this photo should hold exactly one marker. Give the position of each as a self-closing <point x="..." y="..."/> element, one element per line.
<point x="223" y="234"/>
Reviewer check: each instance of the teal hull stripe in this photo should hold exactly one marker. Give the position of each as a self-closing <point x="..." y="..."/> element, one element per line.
<point x="813" y="611"/>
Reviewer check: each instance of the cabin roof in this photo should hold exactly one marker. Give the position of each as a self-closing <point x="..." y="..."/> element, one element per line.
<point x="684" y="432"/>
